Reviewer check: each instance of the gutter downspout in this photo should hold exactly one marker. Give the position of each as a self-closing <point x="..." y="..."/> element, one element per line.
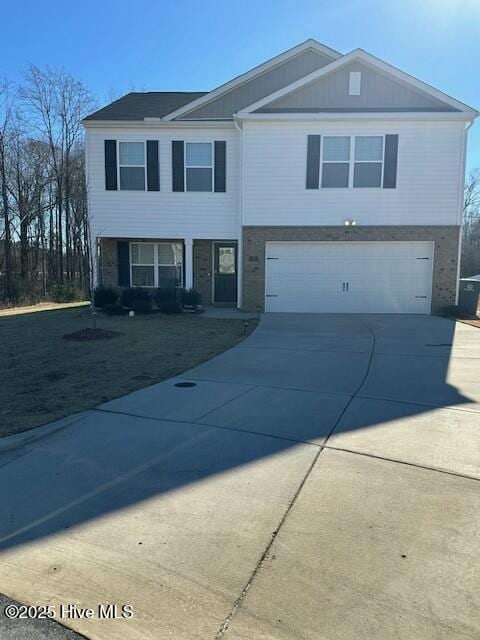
<point x="239" y="128"/>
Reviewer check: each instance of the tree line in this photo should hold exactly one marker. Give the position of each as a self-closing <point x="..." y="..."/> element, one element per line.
<point x="44" y="232"/>
<point x="470" y="265"/>
<point x="44" y="243"/>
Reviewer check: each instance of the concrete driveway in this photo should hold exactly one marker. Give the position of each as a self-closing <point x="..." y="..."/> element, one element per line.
<point x="318" y="481"/>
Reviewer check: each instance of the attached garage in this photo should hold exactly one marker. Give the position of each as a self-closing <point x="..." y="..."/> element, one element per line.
<point x="349" y="277"/>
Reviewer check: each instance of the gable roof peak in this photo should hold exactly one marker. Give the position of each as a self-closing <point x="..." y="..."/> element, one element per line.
<point x="309" y="44"/>
<point x="379" y="65"/>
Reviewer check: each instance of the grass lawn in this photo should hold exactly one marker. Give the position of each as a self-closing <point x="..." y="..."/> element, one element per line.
<point x="44" y="377"/>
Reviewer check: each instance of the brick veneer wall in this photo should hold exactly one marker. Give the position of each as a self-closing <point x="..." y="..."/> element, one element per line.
<point x="202" y="269"/>
<point x="202" y="266"/>
<point x="445" y="257"/>
<point x="108" y="275"/>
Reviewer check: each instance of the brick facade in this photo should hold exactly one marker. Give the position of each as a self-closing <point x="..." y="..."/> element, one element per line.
<point x="202" y="266"/>
<point x="108" y="272"/>
<point x="202" y="269"/>
<point x="445" y="257"/>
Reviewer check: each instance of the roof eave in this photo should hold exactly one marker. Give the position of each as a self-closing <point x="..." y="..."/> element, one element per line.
<point x="360" y="54"/>
<point x="160" y="123"/>
<point x="377" y="115"/>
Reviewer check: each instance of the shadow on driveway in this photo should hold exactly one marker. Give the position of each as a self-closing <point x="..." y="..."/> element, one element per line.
<point x="298" y="378"/>
<point x="256" y="418"/>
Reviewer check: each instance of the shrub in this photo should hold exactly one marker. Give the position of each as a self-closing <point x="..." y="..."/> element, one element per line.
<point x="168" y="300"/>
<point x="105" y="295"/>
<point x="190" y="297"/>
<point x="114" y="309"/>
<point x="165" y="295"/>
<point x="132" y="294"/>
<point x="142" y="306"/>
<point x="65" y="293"/>
<point x="169" y="307"/>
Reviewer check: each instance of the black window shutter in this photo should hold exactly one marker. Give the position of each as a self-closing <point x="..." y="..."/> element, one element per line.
<point x="153" y="174"/>
<point x="220" y="165"/>
<point x="123" y="263"/>
<point x="313" y="162"/>
<point x="111" y="165"/>
<point x="178" y="179"/>
<point x="390" y="161"/>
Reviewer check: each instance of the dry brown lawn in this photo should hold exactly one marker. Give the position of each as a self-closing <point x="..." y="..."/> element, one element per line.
<point x="44" y="377"/>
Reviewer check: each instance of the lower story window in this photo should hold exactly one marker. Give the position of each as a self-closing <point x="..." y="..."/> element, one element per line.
<point x="156" y="264"/>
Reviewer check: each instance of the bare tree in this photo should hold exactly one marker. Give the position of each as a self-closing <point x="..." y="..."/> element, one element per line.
<point x="471" y="226"/>
<point x="44" y="240"/>
<point x="7" y="104"/>
<point x="57" y="103"/>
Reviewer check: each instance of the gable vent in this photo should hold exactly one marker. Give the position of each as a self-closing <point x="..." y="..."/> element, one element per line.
<point x="355" y="83"/>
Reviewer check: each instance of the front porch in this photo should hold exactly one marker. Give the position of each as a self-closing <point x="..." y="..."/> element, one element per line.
<point x="208" y="266"/>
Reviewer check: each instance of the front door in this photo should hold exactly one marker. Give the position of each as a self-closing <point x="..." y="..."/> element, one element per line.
<point x="225" y="273"/>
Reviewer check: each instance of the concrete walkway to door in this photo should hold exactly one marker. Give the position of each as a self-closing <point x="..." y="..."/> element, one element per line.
<point x="319" y="480"/>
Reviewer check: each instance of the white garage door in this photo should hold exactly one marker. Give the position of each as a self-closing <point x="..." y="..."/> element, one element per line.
<point x="349" y="277"/>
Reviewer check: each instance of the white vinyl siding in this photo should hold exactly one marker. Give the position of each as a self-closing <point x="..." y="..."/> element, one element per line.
<point x="349" y="277"/>
<point x="429" y="175"/>
<point x="162" y="214"/>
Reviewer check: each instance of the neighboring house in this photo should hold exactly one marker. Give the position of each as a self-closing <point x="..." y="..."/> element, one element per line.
<point x="316" y="182"/>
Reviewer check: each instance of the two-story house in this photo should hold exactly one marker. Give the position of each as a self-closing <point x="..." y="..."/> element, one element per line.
<point x="316" y="182"/>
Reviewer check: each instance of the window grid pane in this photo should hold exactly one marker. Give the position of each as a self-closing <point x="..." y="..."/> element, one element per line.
<point x="132" y="179"/>
<point x="170" y="254"/>
<point x="336" y="148"/>
<point x="335" y="174"/>
<point x="369" y="148"/>
<point x="132" y="153"/>
<point x="143" y="253"/>
<point x="199" y="179"/>
<point x="367" y="174"/>
<point x="169" y="276"/>
<point x="198" y="154"/>
<point x="142" y="276"/>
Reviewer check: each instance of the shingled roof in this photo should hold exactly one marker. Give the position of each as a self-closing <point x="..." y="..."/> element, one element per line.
<point x="152" y="104"/>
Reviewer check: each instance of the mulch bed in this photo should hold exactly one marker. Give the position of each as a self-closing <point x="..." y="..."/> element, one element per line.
<point x="473" y="322"/>
<point x="84" y="335"/>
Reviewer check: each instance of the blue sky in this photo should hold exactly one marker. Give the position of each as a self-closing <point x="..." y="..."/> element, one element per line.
<point x="118" y="46"/>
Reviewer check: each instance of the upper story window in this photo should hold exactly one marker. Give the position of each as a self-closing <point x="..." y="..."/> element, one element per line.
<point x="131" y="156"/>
<point x="335" y="161"/>
<point x="352" y="161"/>
<point x="198" y="166"/>
<point x="367" y="171"/>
